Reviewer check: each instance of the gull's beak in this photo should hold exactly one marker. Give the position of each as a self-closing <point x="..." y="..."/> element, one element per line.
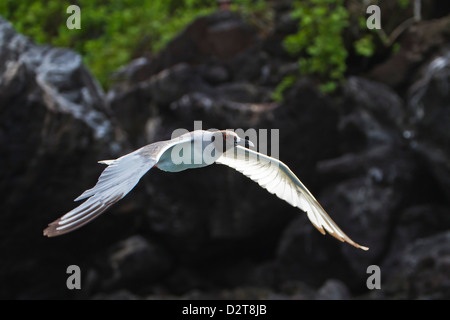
<point x="244" y="142"/>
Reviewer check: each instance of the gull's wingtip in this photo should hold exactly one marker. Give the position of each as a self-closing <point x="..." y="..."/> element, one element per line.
<point x="51" y="230"/>
<point x="355" y="244"/>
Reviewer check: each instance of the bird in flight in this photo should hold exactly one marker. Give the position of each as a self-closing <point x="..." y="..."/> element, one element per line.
<point x="195" y="149"/>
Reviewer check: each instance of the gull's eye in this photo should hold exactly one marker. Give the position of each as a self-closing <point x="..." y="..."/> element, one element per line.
<point x="213" y="138"/>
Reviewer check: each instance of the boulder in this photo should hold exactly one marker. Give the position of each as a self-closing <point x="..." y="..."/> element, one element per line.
<point x="55" y="125"/>
<point x="416" y="45"/>
<point x="221" y="35"/>
<point x="133" y="260"/>
<point x="429" y="117"/>
<point x="333" y="290"/>
<point x="422" y="270"/>
<point x="375" y="157"/>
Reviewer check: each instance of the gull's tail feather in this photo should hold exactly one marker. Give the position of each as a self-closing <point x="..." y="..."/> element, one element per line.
<point x="107" y="162"/>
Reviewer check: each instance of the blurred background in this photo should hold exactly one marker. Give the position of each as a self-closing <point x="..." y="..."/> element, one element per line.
<point x="364" y="120"/>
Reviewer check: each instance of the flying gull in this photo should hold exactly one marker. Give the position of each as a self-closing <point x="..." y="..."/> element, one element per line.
<point x="195" y="149"/>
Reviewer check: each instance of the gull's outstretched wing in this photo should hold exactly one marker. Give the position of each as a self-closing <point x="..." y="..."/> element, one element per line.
<point x="116" y="181"/>
<point x="278" y="179"/>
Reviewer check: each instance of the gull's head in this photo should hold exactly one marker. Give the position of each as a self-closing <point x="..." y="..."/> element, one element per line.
<point x="226" y="139"/>
<point x="231" y="138"/>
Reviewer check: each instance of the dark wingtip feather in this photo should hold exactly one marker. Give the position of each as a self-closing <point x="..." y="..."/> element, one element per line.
<point x="51" y="230"/>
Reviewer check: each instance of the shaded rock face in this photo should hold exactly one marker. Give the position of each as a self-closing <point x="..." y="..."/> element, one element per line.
<point x="418" y="43"/>
<point x="54" y="125"/>
<point x="422" y="271"/>
<point x="376" y="160"/>
<point x="429" y="117"/>
<point x="133" y="259"/>
<point x="222" y="35"/>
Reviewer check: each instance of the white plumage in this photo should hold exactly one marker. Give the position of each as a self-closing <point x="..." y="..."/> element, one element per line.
<point x="124" y="173"/>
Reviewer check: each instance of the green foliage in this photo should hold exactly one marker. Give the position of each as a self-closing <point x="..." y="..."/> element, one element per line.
<point x="319" y="41"/>
<point x="287" y="82"/>
<point x="112" y="31"/>
<point x="365" y="46"/>
<point x="404" y="3"/>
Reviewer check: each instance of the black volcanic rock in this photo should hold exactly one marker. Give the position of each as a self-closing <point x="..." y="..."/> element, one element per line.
<point x="429" y="117"/>
<point x="375" y="158"/>
<point x="55" y="125"/>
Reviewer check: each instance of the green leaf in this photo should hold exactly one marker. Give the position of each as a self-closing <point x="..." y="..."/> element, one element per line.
<point x="365" y="46"/>
<point x="319" y="40"/>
